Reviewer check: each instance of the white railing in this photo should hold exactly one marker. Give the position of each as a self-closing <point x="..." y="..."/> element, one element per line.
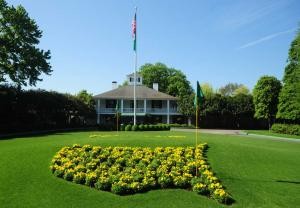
<point x="107" y="110"/>
<point x="130" y="110"/>
<point x="139" y="110"/>
<point x="157" y="110"/>
<point x="174" y="110"/>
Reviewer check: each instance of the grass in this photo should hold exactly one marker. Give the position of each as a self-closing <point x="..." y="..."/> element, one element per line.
<point x="257" y="172"/>
<point x="270" y="133"/>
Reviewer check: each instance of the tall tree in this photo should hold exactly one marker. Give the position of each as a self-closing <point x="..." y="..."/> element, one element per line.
<point x="20" y="59"/>
<point x="86" y="98"/>
<point x="289" y="97"/>
<point x="228" y="90"/>
<point x="265" y="98"/>
<point x="155" y="73"/>
<point x="207" y="89"/>
<point x="171" y="81"/>
<point x="241" y="90"/>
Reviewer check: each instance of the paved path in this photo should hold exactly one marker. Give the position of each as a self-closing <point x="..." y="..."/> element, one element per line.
<point x="211" y="131"/>
<point x="239" y="133"/>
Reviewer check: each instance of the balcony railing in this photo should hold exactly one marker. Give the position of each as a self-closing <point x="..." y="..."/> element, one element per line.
<point x="130" y="110"/>
<point x="140" y="110"/>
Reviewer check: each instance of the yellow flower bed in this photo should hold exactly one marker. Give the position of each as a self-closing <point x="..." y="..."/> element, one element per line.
<point x="128" y="170"/>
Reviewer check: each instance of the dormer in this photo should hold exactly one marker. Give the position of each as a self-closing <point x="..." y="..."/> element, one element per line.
<point x="139" y="79"/>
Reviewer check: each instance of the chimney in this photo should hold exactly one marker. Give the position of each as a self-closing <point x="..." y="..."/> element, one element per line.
<point x="114" y="85"/>
<point x="155" y="86"/>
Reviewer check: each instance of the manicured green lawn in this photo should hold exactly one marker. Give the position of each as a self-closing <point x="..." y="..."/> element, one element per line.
<point x="257" y="172"/>
<point x="269" y="133"/>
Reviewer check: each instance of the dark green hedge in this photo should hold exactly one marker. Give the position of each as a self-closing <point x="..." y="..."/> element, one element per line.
<point x="35" y="110"/>
<point x="145" y="127"/>
<point x="293" y="129"/>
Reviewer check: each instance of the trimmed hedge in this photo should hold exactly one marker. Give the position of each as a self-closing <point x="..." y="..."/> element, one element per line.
<point x="293" y="129"/>
<point x="145" y="127"/>
<point x="134" y="128"/>
<point x="39" y="110"/>
<point x="128" y="127"/>
<point x="176" y="125"/>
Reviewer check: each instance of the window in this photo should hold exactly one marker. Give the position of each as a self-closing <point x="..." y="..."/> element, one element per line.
<point x="156" y="104"/>
<point x="110" y="103"/>
<point x="173" y="105"/>
<point x="131" y="104"/>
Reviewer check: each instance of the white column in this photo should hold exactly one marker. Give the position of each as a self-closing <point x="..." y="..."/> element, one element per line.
<point x="168" y="110"/>
<point x="122" y="106"/>
<point x="98" y="111"/>
<point x="145" y="105"/>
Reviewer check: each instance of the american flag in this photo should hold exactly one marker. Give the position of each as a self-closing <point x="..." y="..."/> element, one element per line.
<point x="134" y="32"/>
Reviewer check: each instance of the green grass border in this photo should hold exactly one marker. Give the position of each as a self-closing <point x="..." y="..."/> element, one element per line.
<point x="270" y="133"/>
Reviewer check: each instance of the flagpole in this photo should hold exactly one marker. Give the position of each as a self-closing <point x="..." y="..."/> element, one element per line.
<point x="134" y="85"/>
<point x="117" y="121"/>
<point x="196" y="131"/>
<point x="117" y="114"/>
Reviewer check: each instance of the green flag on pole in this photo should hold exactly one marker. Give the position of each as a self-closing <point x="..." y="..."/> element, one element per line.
<point x="199" y="96"/>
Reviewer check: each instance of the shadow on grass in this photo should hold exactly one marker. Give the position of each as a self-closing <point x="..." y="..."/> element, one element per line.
<point x="44" y="133"/>
<point x="292" y="182"/>
<point x="263" y="181"/>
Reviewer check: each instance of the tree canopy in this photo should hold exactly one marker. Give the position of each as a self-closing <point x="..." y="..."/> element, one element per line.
<point x="20" y="60"/>
<point x="241" y="90"/>
<point x="171" y="81"/>
<point x="265" y="97"/>
<point x="230" y="88"/>
<point x="207" y="89"/>
<point x="289" y="97"/>
<point x="86" y="98"/>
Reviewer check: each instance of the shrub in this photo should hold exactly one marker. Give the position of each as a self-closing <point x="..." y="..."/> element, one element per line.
<point x="151" y="128"/>
<point x="146" y="127"/>
<point x="59" y="173"/>
<point x="134" y="128"/>
<point x="200" y="188"/>
<point x="128" y="170"/>
<point x="128" y="127"/>
<point x="103" y="184"/>
<point x="90" y="179"/>
<point x="141" y="127"/>
<point x="79" y="178"/>
<point x="175" y="125"/>
<point x="69" y="174"/>
<point x="293" y="129"/>
<point x="120" y="188"/>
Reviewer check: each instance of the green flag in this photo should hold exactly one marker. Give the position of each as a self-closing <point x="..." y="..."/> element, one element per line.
<point x="199" y="96"/>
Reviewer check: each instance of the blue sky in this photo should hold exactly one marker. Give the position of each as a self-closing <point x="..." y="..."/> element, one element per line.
<point x="210" y="41"/>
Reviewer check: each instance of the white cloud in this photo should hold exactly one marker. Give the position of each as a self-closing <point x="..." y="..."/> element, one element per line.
<point x="240" y="14"/>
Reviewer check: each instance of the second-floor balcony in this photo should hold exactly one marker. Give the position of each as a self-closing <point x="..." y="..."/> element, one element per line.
<point x="139" y="110"/>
